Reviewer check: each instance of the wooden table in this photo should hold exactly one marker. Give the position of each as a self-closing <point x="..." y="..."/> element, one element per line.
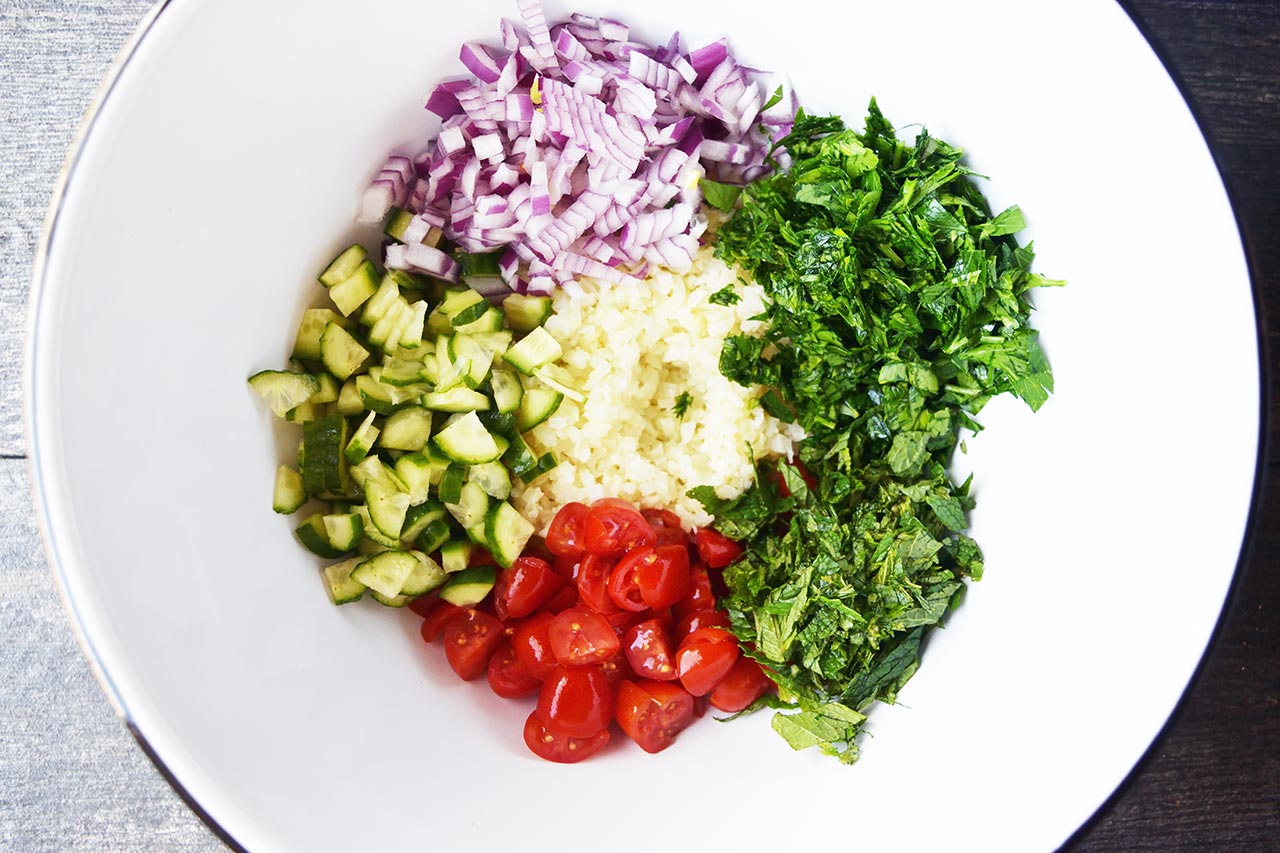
<point x="70" y="778"/>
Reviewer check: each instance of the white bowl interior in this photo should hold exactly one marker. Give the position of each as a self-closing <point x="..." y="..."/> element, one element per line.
<point x="223" y="171"/>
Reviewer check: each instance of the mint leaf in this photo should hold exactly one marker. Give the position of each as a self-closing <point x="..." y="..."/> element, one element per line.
<point x="720" y="196"/>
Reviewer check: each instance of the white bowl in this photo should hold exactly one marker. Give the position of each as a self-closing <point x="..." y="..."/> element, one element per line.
<point x="223" y="168"/>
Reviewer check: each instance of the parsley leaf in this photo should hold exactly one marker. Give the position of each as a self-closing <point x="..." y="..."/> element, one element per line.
<point x="720" y="196"/>
<point x="725" y="296"/>
<point x="682" y="404"/>
<point x="898" y="307"/>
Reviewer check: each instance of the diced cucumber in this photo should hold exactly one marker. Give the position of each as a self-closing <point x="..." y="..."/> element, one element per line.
<point x="381" y="302"/>
<point x="401" y="600"/>
<point x="419" y="518"/>
<point x="406" y="429"/>
<point x="469" y="586"/>
<point x="387" y="508"/>
<point x="467" y="441"/>
<point x="456" y="400"/>
<point x="526" y="313"/>
<point x="378" y="396"/>
<point x="457" y="300"/>
<point x="419" y="472"/>
<point x="401" y="372"/>
<point x="387" y="572"/>
<point x="324" y="463"/>
<point x="507" y="389"/>
<point x="425" y="577"/>
<point x="536" y="406"/>
<point x="493" y="478"/>
<point x="362" y="440"/>
<point x="450" y="491"/>
<point x="372" y="470"/>
<point x="368" y="547"/>
<point x="472" y="505"/>
<point x="338" y="583"/>
<point x="344" y="265"/>
<point x="489" y="322"/>
<point x="433" y="537"/>
<point x="304" y="412"/>
<point x="313" y="536"/>
<point x="470" y="314"/>
<point x="353" y="292"/>
<point x="498" y="341"/>
<point x="479" y="359"/>
<point x="557" y="379"/>
<point x="499" y="424"/>
<point x="282" y="390"/>
<point x="546" y="462"/>
<point x="533" y="351"/>
<point x="411" y="337"/>
<point x="344" y="531"/>
<point x="307" y="343"/>
<point x="508" y="532"/>
<point x="476" y="534"/>
<point x="397" y="222"/>
<point x="455" y="555"/>
<point x="288" y="495"/>
<point x="328" y="392"/>
<point x="519" y="459"/>
<point x="372" y="534"/>
<point x="349" y="402"/>
<point x="341" y="353"/>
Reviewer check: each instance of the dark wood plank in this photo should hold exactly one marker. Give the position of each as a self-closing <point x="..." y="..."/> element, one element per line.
<point x="1212" y="781"/>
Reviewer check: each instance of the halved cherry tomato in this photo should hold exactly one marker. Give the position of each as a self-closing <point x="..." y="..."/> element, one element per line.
<point x="565" y="597"/>
<point x="614" y="527"/>
<point x="433" y="624"/>
<point x="695" y="619"/>
<point x="621" y="620"/>
<point x="652" y="713"/>
<point x="616" y="668"/>
<point x="664" y="580"/>
<point x="470" y="638"/>
<point x="700" y="596"/>
<point x="716" y="549"/>
<point x="661" y="518"/>
<point x="624" y="580"/>
<point x="531" y="641"/>
<point x="524" y="587"/>
<point x="580" y="636"/>
<point x="567" y="567"/>
<point x="649" y="650"/>
<point x="705" y="657"/>
<point x="565" y="533"/>
<point x="576" y="701"/>
<point x="424" y="604"/>
<point x="555" y="747"/>
<point x="744" y="684"/>
<point x="593" y="583"/>
<point x="508" y="676"/>
<point x="480" y="557"/>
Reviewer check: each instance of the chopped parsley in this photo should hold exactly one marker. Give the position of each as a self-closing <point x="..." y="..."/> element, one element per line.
<point x="898" y="306"/>
<point x="683" y="402"/>
<point x="725" y="296"/>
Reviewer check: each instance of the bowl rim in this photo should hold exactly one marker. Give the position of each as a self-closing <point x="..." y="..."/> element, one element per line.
<point x="38" y="292"/>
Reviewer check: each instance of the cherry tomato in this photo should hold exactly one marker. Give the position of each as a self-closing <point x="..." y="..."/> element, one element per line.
<point x="433" y="624"/>
<point x="559" y="748"/>
<point x="576" y="701"/>
<point x="664" y="580"/>
<point x="716" y="549"/>
<point x="565" y="533"/>
<point x="616" y="668"/>
<point x="565" y="597"/>
<point x="508" y="676"/>
<point x="523" y="588"/>
<point x="580" y="636"/>
<point x="744" y="684"/>
<point x="705" y="657"/>
<point x="695" y="619"/>
<point x="424" y="604"/>
<point x="661" y="518"/>
<point x="699" y="595"/>
<point x="531" y="641"/>
<point x="480" y="557"/>
<point x="593" y="583"/>
<point x="649" y="650"/>
<point x="567" y="567"/>
<point x="621" y="620"/>
<point x="470" y="638"/>
<point x="614" y="527"/>
<point x="652" y="713"/>
<point x="624" y="580"/>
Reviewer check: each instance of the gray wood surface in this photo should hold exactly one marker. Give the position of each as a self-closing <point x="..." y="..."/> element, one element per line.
<point x="72" y="778"/>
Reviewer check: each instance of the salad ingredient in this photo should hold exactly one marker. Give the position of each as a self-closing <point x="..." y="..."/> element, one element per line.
<point x="508" y="676"/>
<point x="558" y="748"/>
<point x="624" y="439"/>
<point x="898" y="306"/>
<point x="705" y="657"/>
<point x="740" y="688"/>
<point x="580" y="636"/>
<point x="471" y="637"/>
<point x="576" y="149"/>
<point x="576" y="701"/>
<point x="652" y="713"/>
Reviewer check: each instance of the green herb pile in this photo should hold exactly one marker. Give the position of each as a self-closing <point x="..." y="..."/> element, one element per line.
<point x="899" y="307"/>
